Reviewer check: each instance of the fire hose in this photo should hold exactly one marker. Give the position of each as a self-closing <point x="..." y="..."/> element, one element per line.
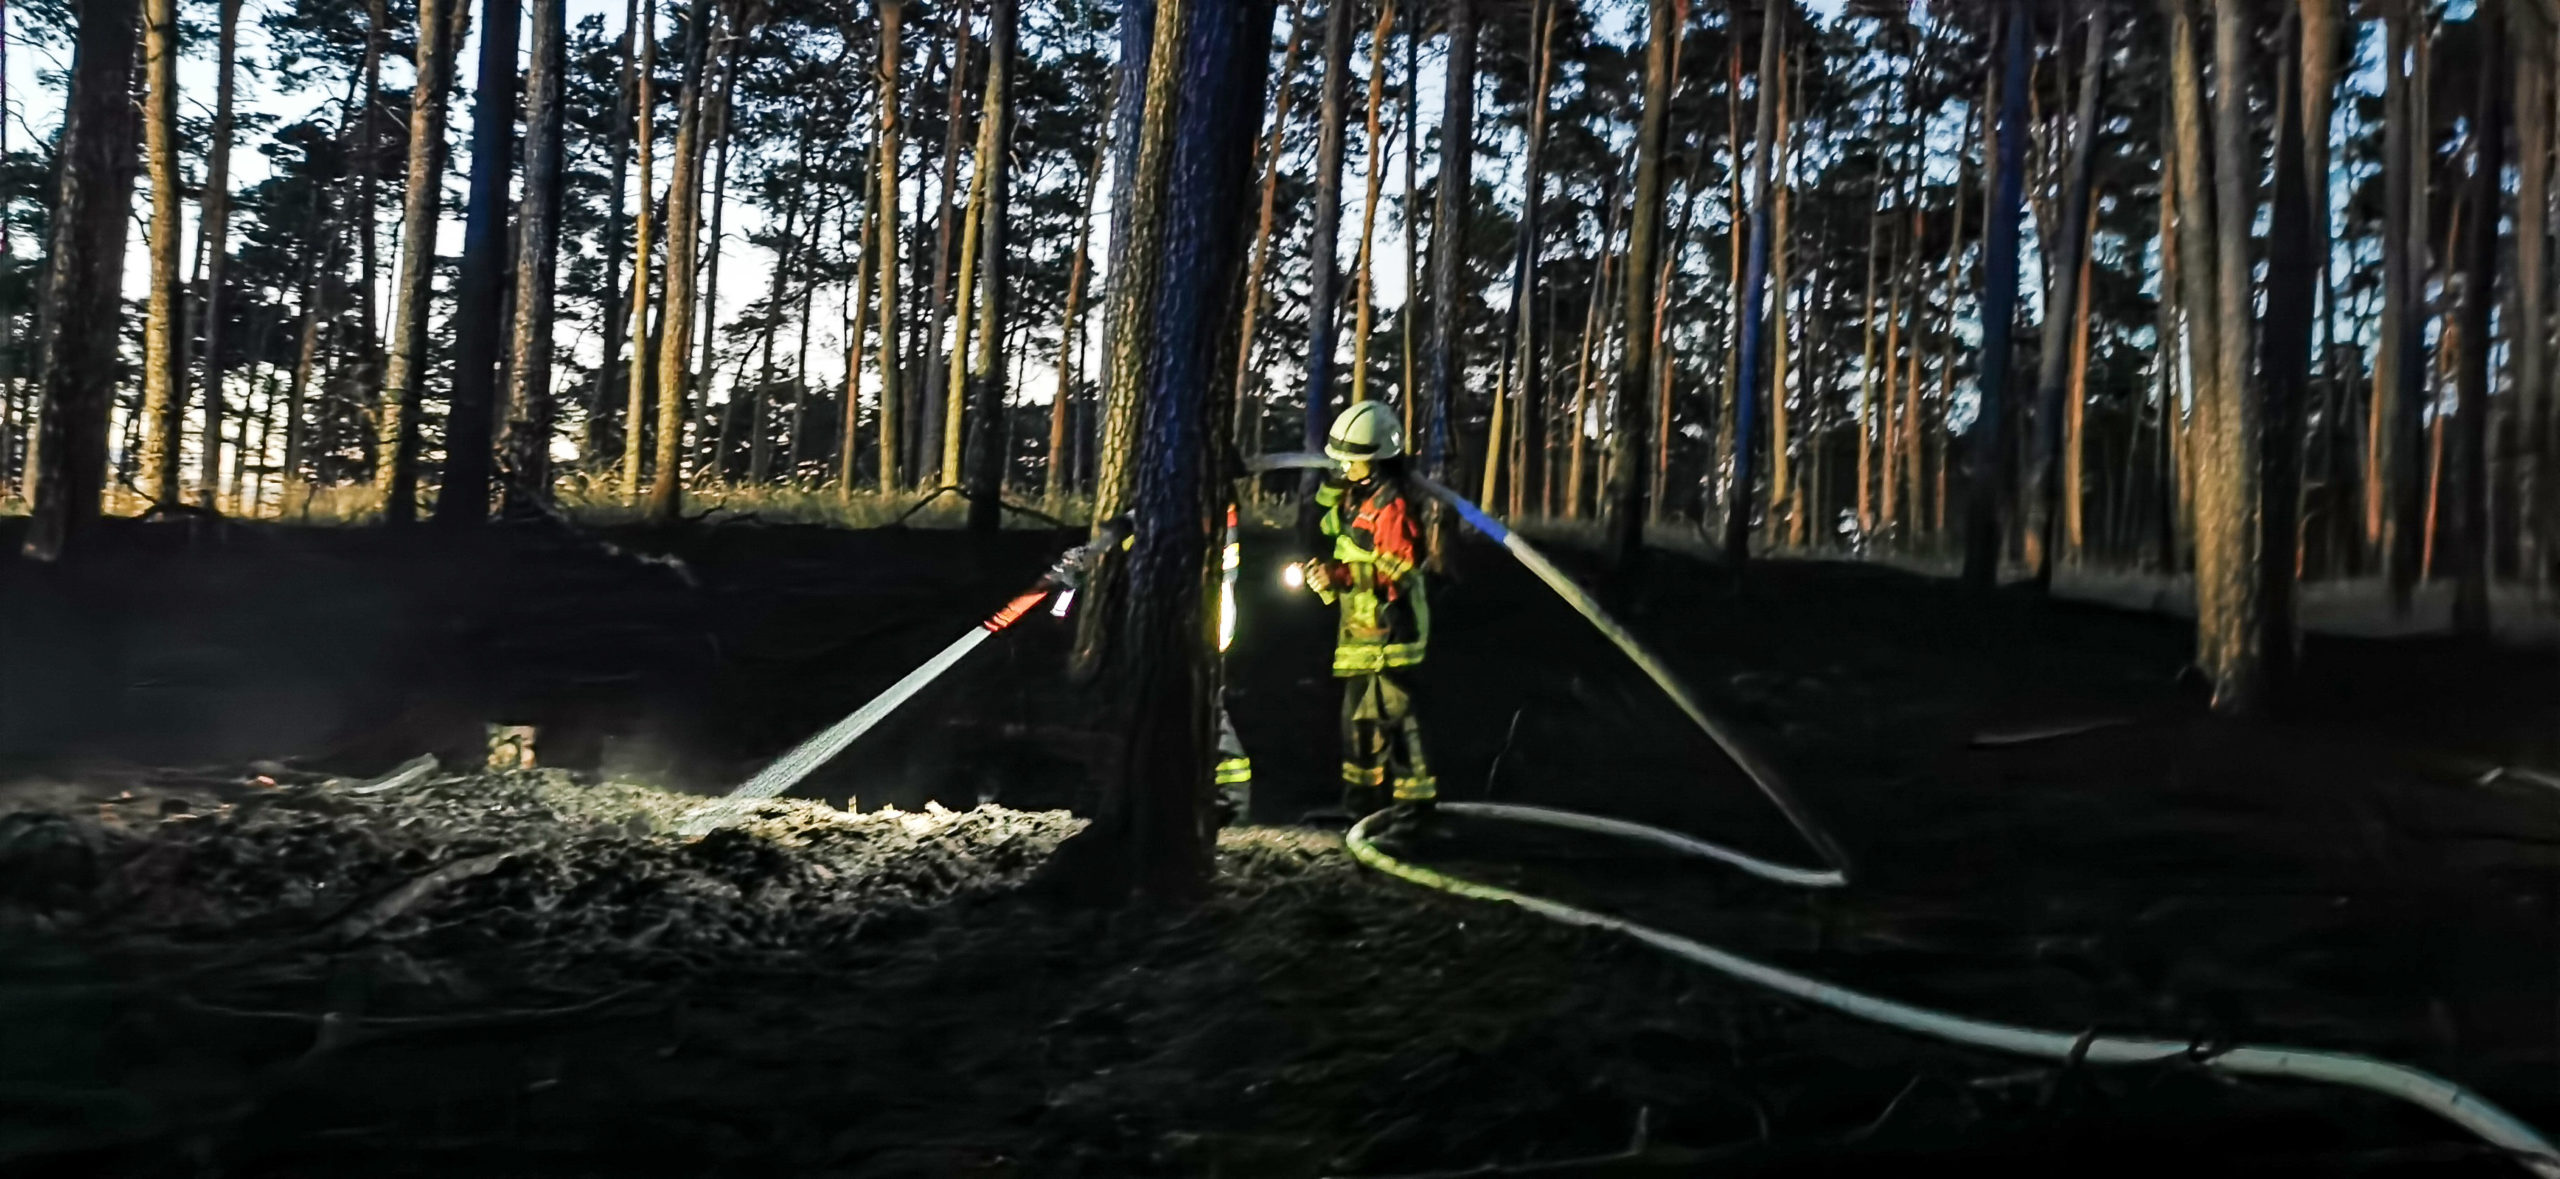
<point x="2444" y="1098"/>
<point x="2450" y="1101"/>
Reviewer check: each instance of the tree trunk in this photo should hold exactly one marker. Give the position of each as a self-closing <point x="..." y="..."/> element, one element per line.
<point x="956" y="390"/>
<point x="1139" y="99"/>
<point x="1876" y="249"/>
<point x="939" y="448"/>
<point x="717" y="138"/>
<point x="1987" y="446"/>
<point x="2062" y="299"/>
<point x="367" y="409"/>
<point x="529" y="408"/>
<point x="1248" y="416"/>
<point x="684" y="228"/>
<point x="1407" y="328"/>
<point x="2293" y="276"/>
<point x="1782" y="504"/>
<point x="1528" y="465"/>
<point x="2479" y="295"/>
<point x="464" y="499"/>
<point x="1134" y="354"/>
<point x="440" y="27"/>
<point x="1594" y="328"/>
<point x="2406" y="165"/>
<point x="2230" y="504"/>
<point x="1057" y="479"/>
<point x="1152" y="835"/>
<point x="2075" y="412"/>
<point x="1752" y="331"/>
<point x="885" y="240"/>
<point x="858" y="321"/>
<point x="163" y="341"/>
<point x="1324" y="281"/>
<point x="1365" y="309"/>
<point x="987" y="386"/>
<point x="1449" y="236"/>
<point x="213" y="244"/>
<point x="84" y="276"/>
<point x="615" y="314"/>
<point x="2536" y="445"/>
<point x="635" y="418"/>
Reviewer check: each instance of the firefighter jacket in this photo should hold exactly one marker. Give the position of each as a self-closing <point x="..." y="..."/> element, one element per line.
<point x="1376" y="570"/>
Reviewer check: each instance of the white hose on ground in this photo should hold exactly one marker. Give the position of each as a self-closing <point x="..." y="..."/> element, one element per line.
<point x="2441" y="1097"/>
<point x="2432" y="1093"/>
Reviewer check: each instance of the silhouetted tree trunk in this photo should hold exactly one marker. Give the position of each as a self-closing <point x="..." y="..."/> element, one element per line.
<point x="2061" y="304"/>
<point x="213" y="245"/>
<point x="1248" y="417"/>
<point x="529" y="407"/>
<point x="857" y="322"/>
<point x="1057" y="478"/>
<point x="2293" y="276"/>
<point x="1988" y="446"/>
<point x="2536" y="443"/>
<point x="84" y="276"/>
<point x="2479" y="295"/>
<point x="440" y="27"/>
<point x="938" y="450"/>
<point x="2406" y="152"/>
<point x="1747" y="378"/>
<point x="987" y="386"/>
<point x="1530" y="454"/>
<point x="464" y="498"/>
<point x="1782" y="481"/>
<point x="163" y="344"/>
<point x="1449" y="233"/>
<point x="1324" y="282"/>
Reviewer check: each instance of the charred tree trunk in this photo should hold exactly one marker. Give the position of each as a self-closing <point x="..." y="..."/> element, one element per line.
<point x="84" y="275"/>
<point x="440" y="27"/>
<point x="464" y="498"/>
<point x="529" y="407"/>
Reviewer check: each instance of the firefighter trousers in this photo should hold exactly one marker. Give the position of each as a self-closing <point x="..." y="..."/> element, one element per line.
<point x="1381" y="744"/>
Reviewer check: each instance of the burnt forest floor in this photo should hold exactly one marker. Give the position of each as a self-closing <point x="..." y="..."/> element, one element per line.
<point x="236" y="939"/>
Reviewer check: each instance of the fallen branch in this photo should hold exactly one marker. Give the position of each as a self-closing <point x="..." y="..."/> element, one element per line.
<point x="406" y="897"/>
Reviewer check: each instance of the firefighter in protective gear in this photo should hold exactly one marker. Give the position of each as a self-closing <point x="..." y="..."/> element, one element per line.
<point x="1374" y="576"/>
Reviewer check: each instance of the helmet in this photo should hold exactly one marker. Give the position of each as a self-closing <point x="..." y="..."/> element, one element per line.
<point x="1365" y="432"/>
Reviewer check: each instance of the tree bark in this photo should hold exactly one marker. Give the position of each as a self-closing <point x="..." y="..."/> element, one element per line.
<point x="635" y="418"/>
<point x="440" y="27"/>
<point x="2230" y="490"/>
<point x="939" y="450"/>
<point x="163" y="343"/>
<point x="2406" y="165"/>
<point x="464" y="498"/>
<point x="1876" y="250"/>
<point x="1140" y="38"/>
<point x="1152" y="835"/>
<point x="529" y="408"/>
<point x="213" y="244"/>
<point x="717" y="138"/>
<point x="885" y="240"/>
<point x="1365" y="312"/>
<point x="1134" y="354"/>
<point x="2062" y="300"/>
<point x="1782" y="479"/>
<point x="1988" y="447"/>
<point x="684" y="229"/>
<point x="2293" y="276"/>
<point x="84" y="276"/>
<point x="2536" y="445"/>
<point x="987" y="385"/>
<point x="857" y="322"/>
<point x="1449" y="236"/>
<point x="1528" y="465"/>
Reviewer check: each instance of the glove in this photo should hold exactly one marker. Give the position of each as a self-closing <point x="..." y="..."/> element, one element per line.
<point x="1072" y="568"/>
<point x="1319" y="577"/>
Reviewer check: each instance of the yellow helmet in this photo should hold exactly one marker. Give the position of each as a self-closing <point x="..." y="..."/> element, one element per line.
<point x="1365" y="432"/>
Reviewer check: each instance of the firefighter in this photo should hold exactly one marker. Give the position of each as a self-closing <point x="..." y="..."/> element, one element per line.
<point x="1374" y="576"/>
